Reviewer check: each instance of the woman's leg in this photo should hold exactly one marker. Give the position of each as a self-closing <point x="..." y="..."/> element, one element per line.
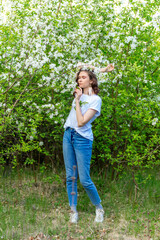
<point x="71" y="168"/>
<point x="83" y="150"/>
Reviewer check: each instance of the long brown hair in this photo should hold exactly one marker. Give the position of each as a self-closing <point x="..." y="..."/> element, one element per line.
<point x="92" y="77"/>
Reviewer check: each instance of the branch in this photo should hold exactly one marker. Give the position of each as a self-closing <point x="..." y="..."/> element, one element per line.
<point x="151" y="152"/>
<point x="58" y="8"/>
<point x="155" y="70"/>
<point x="18" y="79"/>
<point x="21" y="93"/>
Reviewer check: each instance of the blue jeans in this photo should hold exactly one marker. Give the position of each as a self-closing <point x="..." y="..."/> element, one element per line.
<point x="77" y="152"/>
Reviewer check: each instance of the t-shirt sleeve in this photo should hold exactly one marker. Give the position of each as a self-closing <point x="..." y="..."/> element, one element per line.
<point x="96" y="105"/>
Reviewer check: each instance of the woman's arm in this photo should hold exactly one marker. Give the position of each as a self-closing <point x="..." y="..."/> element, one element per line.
<point x="109" y="68"/>
<point x="82" y="119"/>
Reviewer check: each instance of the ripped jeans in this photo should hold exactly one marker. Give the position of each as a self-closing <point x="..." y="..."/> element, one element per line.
<point x="77" y="151"/>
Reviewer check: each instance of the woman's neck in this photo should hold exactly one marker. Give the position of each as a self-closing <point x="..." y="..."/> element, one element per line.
<point x="86" y="91"/>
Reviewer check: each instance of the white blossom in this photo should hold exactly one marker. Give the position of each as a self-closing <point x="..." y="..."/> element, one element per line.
<point x="31" y="138"/>
<point x="131" y="38"/>
<point x="51" y="115"/>
<point x="156" y="58"/>
<point x="41" y="143"/>
<point x="8" y="110"/>
<point x="154" y="121"/>
<point x="52" y="66"/>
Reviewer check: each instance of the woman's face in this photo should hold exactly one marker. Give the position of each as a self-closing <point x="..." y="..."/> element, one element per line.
<point x="84" y="80"/>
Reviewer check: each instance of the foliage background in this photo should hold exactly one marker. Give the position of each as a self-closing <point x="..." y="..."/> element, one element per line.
<point x="41" y="43"/>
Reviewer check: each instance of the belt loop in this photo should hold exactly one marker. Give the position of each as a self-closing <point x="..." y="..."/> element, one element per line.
<point x="72" y="129"/>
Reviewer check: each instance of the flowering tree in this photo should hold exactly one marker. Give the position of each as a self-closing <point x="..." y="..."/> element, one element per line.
<point x="41" y="43"/>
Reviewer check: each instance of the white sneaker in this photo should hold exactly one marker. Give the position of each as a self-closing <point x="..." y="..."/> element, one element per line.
<point x="73" y="217"/>
<point x="99" y="215"/>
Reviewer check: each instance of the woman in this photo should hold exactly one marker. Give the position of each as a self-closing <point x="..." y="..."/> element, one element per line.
<point x="78" y="139"/>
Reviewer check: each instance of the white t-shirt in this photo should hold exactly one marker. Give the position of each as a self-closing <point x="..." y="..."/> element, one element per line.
<point x="86" y="102"/>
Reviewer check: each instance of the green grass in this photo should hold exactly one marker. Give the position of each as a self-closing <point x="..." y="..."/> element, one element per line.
<point x="28" y="208"/>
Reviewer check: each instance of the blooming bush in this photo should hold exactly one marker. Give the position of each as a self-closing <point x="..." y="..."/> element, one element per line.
<point x="40" y="46"/>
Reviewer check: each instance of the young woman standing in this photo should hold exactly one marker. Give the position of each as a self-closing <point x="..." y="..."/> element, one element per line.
<point x="78" y="139"/>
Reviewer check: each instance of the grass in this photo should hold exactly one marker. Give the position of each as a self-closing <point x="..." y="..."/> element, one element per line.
<point x="28" y="208"/>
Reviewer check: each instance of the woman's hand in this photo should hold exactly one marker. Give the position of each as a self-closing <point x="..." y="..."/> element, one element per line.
<point x="109" y="68"/>
<point x="78" y="93"/>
